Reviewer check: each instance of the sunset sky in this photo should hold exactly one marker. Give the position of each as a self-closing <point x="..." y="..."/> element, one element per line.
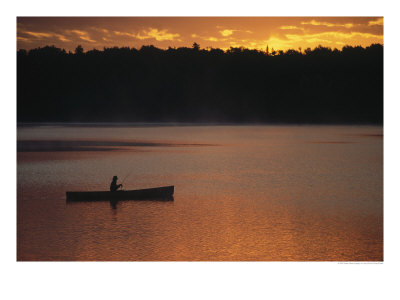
<point x="280" y="33"/>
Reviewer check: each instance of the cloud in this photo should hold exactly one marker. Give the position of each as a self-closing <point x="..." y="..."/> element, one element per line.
<point x="211" y="39"/>
<point x="291" y="28"/>
<point x="229" y="32"/>
<point x="83" y="35"/>
<point x="152" y="33"/>
<point x="161" y="35"/>
<point x="98" y="29"/>
<point x="125" y="33"/>
<point x="79" y="32"/>
<point x="23" y="39"/>
<point x="350" y="35"/>
<point x="42" y="35"/>
<point x="378" y="22"/>
<point x="293" y="39"/>
<point x="327" y="24"/>
<point x="87" y="39"/>
<point x="226" y="32"/>
<point x="329" y="38"/>
<point x="246" y="43"/>
<point x="39" y="35"/>
<point x="208" y="38"/>
<point x="61" y="37"/>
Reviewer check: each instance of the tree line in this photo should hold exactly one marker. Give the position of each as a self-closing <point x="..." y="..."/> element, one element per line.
<point x="320" y="85"/>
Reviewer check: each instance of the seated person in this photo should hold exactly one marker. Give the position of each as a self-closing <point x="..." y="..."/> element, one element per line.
<point x="114" y="186"/>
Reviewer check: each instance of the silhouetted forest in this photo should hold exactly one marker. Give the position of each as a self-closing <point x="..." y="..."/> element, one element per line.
<point x="318" y="85"/>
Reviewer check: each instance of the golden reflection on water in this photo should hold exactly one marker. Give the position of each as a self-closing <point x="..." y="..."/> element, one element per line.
<point x="264" y="194"/>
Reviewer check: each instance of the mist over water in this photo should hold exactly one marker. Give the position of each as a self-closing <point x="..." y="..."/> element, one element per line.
<point x="262" y="193"/>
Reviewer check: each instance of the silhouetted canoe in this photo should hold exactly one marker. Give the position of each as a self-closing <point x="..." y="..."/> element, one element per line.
<point x="159" y="193"/>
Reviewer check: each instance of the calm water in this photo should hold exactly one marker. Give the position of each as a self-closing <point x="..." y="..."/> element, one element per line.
<point x="270" y="193"/>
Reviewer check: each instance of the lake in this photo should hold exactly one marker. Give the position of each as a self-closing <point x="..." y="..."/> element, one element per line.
<point x="242" y="193"/>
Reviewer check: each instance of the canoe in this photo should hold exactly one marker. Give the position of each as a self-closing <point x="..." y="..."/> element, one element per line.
<point x="158" y="193"/>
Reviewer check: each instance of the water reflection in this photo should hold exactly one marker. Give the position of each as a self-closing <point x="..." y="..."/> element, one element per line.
<point x="95" y="145"/>
<point x="113" y="203"/>
<point x="269" y="193"/>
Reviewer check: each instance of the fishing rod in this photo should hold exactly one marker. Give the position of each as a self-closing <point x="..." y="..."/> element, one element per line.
<point x="126" y="178"/>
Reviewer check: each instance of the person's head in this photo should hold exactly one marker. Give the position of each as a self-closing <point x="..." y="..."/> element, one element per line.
<point x="115" y="178"/>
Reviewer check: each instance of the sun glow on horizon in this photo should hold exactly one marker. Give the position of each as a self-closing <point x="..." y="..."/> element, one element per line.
<point x="280" y="33"/>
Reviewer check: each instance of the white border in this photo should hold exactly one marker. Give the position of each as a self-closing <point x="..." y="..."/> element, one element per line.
<point x="198" y="280"/>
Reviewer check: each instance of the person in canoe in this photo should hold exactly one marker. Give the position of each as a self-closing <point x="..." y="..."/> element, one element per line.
<point x="114" y="186"/>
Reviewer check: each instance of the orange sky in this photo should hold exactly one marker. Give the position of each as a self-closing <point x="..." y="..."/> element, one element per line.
<point x="280" y="33"/>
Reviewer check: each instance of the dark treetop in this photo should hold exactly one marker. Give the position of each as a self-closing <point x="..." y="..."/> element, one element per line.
<point x="195" y="85"/>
